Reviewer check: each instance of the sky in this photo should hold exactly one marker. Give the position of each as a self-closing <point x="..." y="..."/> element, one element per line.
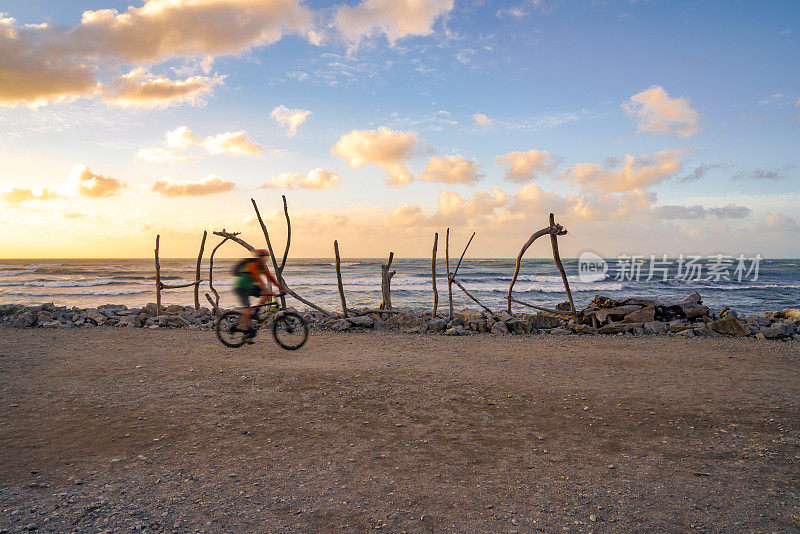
<point x="647" y="127"/>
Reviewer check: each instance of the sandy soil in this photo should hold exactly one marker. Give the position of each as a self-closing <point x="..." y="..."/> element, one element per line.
<point x="114" y="429"/>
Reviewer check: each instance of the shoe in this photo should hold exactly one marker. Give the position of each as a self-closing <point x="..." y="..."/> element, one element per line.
<point x="248" y="336"/>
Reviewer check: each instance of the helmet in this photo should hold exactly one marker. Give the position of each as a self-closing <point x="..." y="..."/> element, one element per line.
<point x="261" y="252"/>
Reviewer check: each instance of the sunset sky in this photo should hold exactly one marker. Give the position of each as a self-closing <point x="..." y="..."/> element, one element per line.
<point x="647" y="127"/>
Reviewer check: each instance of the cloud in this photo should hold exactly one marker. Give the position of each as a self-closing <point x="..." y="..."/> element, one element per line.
<point x="404" y="217"/>
<point x="776" y="221"/>
<point x="482" y="120"/>
<point x="731" y="211"/>
<point x="90" y="184"/>
<point x="316" y="179"/>
<point x="16" y="195"/>
<point x="611" y="207"/>
<point x="138" y="88"/>
<point x="210" y="185"/>
<point x="394" y="18"/>
<point x="384" y="148"/>
<point x="290" y="117"/>
<point x="525" y="166"/>
<point x="43" y="63"/>
<point x="636" y="172"/>
<point x="161" y="155"/>
<point x="235" y="143"/>
<point x="451" y="170"/>
<point x="656" y="112"/>
<point x="698" y="172"/>
<point x="181" y="137"/>
<point x="765" y="174"/>
<point x="452" y="208"/>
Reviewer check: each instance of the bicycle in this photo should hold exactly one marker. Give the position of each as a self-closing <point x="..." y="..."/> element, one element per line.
<point x="289" y="329"/>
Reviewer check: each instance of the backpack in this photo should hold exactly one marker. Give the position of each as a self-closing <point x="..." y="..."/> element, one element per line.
<point x="238" y="268"/>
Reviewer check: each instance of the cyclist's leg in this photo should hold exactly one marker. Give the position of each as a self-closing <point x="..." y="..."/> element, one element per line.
<point x="247" y="311"/>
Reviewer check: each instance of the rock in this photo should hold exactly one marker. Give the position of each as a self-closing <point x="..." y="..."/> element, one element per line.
<point x="617" y="312"/>
<point x="644" y="315"/>
<point x="173" y="308"/>
<point x="676" y="328"/>
<point x="541" y="321"/>
<point x="96" y="317"/>
<point x="499" y="328"/>
<point x="30" y="527"/>
<point x="728" y="326"/>
<point x="560" y="331"/>
<point x="564" y="306"/>
<point x="363" y="321"/>
<point x="600" y="301"/>
<point x="468" y="315"/>
<point x="583" y="329"/>
<point x="380" y="326"/>
<point x="761" y="336"/>
<point x="790" y="313"/>
<point x="149" y="310"/>
<point x="689" y="332"/>
<point x="408" y="324"/>
<point x="778" y="331"/>
<point x="25" y="319"/>
<point x="175" y="321"/>
<point x="518" y="326"/>
<point x="655" y="327"/>
<point x="451" y="332"/>
<point x="437" y="324"/>
<point x="50" y="324"/>
<point x="339" y="325"/>
<point x="615" y="328"/>
<point x="503" y="316"/>
<point x="11" y="309"/>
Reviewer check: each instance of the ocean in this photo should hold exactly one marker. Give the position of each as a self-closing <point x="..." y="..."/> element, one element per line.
<point x="92" y="282"/>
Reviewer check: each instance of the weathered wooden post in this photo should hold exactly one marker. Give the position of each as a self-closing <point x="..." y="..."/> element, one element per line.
<point x="339" y="276"/>
<point x="433" y="273"/>
<point x="449" y="279"/>
<point x="386" y="280"/>
<point x="557" y="259"/>
<point x="158" y="279"/>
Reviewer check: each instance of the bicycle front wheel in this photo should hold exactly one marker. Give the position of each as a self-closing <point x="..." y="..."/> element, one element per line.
<point x="290" y="330"/>
<point x="228" y="330"/>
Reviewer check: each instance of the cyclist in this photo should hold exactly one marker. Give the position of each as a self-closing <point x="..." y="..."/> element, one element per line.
<point x="253" y="279"/>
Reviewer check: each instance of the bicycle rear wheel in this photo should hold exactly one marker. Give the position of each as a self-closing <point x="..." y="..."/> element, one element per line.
<point x="228" y="330"/>
<point x="290" y="330"/>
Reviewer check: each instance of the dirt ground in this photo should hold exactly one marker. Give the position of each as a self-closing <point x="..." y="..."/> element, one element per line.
<point x="117" y="429"/>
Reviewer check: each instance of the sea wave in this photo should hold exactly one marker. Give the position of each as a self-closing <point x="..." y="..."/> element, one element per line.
<point x="17" y="272"/>
<point x="73" y="294"/>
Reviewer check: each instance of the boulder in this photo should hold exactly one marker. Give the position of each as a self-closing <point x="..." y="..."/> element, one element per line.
<point x="175" y="321"/>
<point x="583" y="329"/>
<point x="676" y="328"/>
<point x="791" y="312"/>
<point x="499" y="328"/>
<point x="518" y="326"/>
<point x="468" y="315"/>
<point x="452" y="332"/>
<point x="173" y="308"/>
<point x="96" y="317"/>
<point x="503" y="316"/>
<point x="408" y="324"/>
<point x="655" y="327"/>
<point x="617" y="312"/>
<point x="380" y="326"/>
<point x="25" y="319"/>
<point x="11" y="309"/>
<point x="437" y="324"/>
<point x="541" y="321"/>
<point x="643" y="315"/>
<point x="363" y="321"/>
<point x="689" y="332"/>
<point x="615" y="328"/>
<point x="338" y="325"/>
<point x="729" y="326"/>
<point x="778" y="331"/>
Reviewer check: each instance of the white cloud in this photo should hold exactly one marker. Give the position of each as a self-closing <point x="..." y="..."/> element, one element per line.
<point x="292" y="118"/>
<point x="384" y="148"/>
<point x="636" y="172"/>
<point x="210" y="185"/>
<point x="482" y="120"/>
<point x="525" y="166"/>
<point x="451" y="170"/>
<point x="656" y="112"/>
<point x="181" y="137"/>
<point x="138" y="88"/>
<point x="161" y="155"/>
<point x="393" y="18"/>
<point x="730" y="211"/>
<point x="234" y="143"/>
<point x="316" y="179"/>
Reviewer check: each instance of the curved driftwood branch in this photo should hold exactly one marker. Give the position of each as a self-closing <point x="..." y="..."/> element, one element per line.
<point x="214" y="304"/>
<point x="288" y="235"/>
<point x="456" y="282"/>
<point x="339" y="276"/>
<point x="462" y="255"/>
<point x="528" y="243"/>
<point x="304" y="301"/>
<point x="557" y="259"/>
<point x="197" y="272"/>
<point x="232" y="237"/>
<point x="433" y="273"/>
<point x="269" y="247"/>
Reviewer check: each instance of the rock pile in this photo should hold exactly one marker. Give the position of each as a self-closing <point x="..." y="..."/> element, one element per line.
<point x="686" y="318"/>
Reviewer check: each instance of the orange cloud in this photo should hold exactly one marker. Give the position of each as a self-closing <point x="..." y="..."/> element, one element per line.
<point x="235" y="143"/>
<point x="384" y="148"/>
<point x="16" y="195"/>
<point x="394" y="18"/>
<point x="655" y="111"/>
<point x="187" y="188"/>
<point x="139" y="88"/>
<point x="636" y="172"/>
<point x="316" y="179"/>
<point x="292" y="118"/>
<point x="90" y="184"/>
<point x="451" y="170"/>
<point x="525" y="166"/>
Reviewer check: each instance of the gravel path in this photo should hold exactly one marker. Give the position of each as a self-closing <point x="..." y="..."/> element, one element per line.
<point x="114" y="429"/>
